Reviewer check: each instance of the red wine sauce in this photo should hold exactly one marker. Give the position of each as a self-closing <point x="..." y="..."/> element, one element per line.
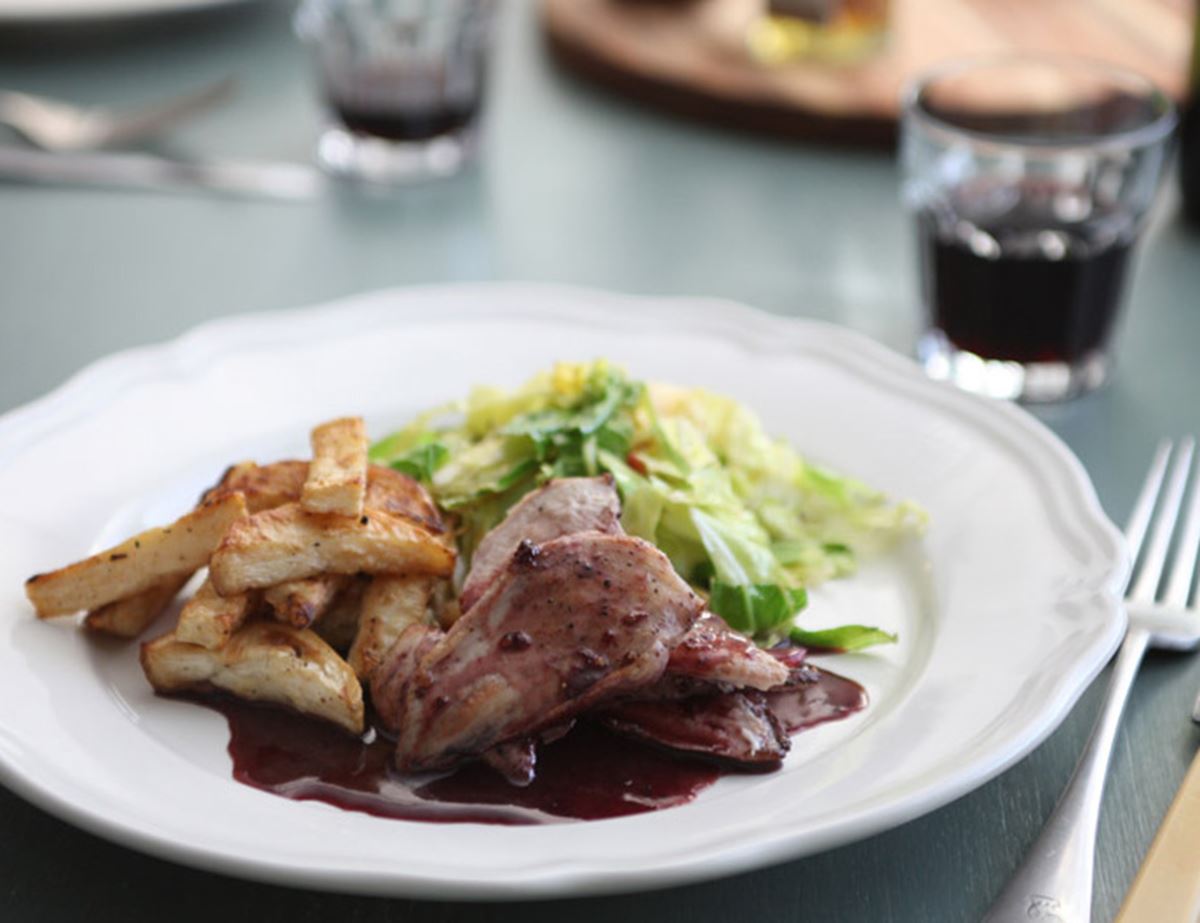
<point x="588" y="774"/>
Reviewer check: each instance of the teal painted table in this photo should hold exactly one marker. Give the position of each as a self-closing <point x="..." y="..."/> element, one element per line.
<point x="576" y="188"/>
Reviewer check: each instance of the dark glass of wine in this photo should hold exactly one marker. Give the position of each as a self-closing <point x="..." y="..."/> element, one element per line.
<point x="1024" y="285"/>
<point x="1029" y="178"/>
<point x="403" y="80"/>
<point x="1189" y="147"/>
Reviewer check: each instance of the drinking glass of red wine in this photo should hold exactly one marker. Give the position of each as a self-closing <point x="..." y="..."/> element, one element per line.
<point x="403" y="81"/>
<point x="1029" y="179"/>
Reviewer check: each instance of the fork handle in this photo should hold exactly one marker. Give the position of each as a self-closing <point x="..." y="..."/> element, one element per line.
<point x="1167" y="888"/>
<point x="1054" y="883"/>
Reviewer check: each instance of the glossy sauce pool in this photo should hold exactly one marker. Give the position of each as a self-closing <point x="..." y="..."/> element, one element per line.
<point x="588" y="774"/>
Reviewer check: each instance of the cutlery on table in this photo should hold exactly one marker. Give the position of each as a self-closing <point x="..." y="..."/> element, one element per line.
<point x="54" y="125"/>
<point x="1055" y="880"/>
<point x="258" y="179"/>
<point x="1167" y="887"/>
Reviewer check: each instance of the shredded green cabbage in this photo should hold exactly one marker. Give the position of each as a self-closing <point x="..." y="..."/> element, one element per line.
<point x="742" y="516"/>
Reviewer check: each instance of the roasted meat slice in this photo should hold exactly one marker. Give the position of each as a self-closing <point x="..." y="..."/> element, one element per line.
<point x="715" y="653"/>
<point x="567" y="625"/>
<point x="711" y="651"/>
<point x="516" y="760"/>
<point x="732" y="728"/>
<point x="390" y="679"/>
<point x="744" y="728"/>
<point x="811" y="695"/>
<point x="559" y="507"/>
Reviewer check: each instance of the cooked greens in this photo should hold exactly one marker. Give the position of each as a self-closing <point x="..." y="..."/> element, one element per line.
<point x="741" y="515"/>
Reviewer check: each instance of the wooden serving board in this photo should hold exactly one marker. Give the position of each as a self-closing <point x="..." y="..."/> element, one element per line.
<point x="688" y="56"/>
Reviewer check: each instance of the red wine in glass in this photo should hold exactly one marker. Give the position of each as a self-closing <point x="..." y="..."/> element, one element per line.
<point x="1189" y="149"/>
<point x="402" y="103"/>
<point x="1031" y="274"/>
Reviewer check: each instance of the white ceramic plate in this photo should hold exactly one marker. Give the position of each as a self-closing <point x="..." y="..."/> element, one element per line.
<point x="31" y="11"/>
<point x="1006" y="610"/>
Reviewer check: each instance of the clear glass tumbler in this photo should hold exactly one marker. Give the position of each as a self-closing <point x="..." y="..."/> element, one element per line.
<point x="1029" y="179"/>
<point x="404" y="81"/>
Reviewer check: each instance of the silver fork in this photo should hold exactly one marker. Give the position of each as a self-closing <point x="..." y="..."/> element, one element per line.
<point x="1054" y="883"/>
<point x="58" y="126"/>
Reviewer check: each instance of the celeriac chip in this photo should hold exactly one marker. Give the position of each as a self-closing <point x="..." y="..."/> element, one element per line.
<point x="339" y="624"/>
<point x="138" y="563"/>
<point x="287" y="543"/>
<point x="337" y="476"/>
<point x="269" y="486"/>
<point x="302" y="602"/>
<point x="210" y="620"/>
<point x="264" y="486"/>
<point x="389" y="605"/>
<point x="263" y="662"/>
<point x="129" y="617"/>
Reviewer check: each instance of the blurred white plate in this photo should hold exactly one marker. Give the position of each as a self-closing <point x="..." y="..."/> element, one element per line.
<point x="1006" y="610"/>
<point x="47" y="11"/>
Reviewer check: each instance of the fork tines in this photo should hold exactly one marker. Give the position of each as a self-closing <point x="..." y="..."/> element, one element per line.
<point x="1157" y="510"/>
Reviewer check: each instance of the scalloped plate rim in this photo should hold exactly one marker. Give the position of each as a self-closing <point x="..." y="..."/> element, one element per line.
<point x="102" y="380"/>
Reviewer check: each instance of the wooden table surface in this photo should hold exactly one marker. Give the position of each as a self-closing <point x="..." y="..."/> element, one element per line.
<point x="690" y="57"/>
<point x="574" y="187"/>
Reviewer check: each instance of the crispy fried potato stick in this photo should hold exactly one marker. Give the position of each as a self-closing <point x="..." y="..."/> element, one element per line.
<point x="269" y="486"/>
<point x="337" y="476"/>
<point x="263" y="662"/>
<point x="287" y="543"/>
<point x="264" y="486"/>
<point x="210" y="620"/>
<point x="400" y="495"/>
<point x="129" y="617"/>
<point x="339" y="624"/>
<point x="136" y="564"/>
<point x="302" y="602"/>
<point x="390" y="605"/>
